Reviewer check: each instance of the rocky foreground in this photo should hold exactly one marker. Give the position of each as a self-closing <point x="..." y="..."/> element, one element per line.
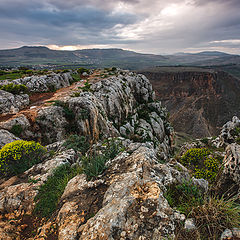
<point x="128" y="199"/>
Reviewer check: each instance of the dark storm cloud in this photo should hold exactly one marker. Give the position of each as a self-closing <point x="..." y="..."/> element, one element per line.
<point x="147" y="26"/>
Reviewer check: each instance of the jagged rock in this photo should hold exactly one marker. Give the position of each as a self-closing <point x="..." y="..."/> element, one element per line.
<point x="51" y="124"/>
<point x="90" y="116"/>
<point x="10" y="103"/>
<point x="20" y="120"/>
<point x="126" y="201"/>
<point x="44" y="83"/>
<point x="6" y="137"/>
<point x="230" y="178"/>
<point x="228" y="134"/>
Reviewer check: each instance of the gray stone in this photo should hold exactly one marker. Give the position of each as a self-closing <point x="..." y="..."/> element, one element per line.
<point x="6" y="137"/>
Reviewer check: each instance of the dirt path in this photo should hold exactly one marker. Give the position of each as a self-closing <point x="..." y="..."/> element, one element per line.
<point x="39" y="100"/>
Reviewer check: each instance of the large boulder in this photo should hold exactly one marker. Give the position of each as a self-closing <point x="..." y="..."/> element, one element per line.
<point x="10" y="103"/>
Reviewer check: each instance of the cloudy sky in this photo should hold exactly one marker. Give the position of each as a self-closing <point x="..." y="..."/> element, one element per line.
<point x="148" y="26"/>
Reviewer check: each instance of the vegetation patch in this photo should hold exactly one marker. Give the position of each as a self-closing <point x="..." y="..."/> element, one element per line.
<point x="75" y="78"/>
<point x="16" y="130"/>
<point x="14" y="89"/>
<point x="82" y="70"/>
<point x="51" y="191"/>
<point x="77" y="143"/>
<point x="86" y="87"/>
<point x="94" y="164"/>
<point x="184" y="197"/>
<point x="216" y="215"/>
<point x="18" y="156"/>
<point x="202" y="163"/>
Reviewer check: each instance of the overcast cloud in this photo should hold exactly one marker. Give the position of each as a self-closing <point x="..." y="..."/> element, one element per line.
<point x="158" y="26"/>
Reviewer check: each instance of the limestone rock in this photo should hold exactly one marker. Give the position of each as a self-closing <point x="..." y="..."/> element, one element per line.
<point x="228" y="132"/>
<point x="233" y="234"/>
<point x="10" y="103"/>
<point x="126" y="201"/>
<point x="230" y="178"/>
<point x="44" y="83"/>
<point x="6" y="137"/>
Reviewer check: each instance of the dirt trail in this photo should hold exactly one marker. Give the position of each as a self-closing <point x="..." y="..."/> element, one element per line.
<point x="39" y="100"/>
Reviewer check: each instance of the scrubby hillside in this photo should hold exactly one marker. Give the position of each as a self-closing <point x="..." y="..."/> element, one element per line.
<point x="104" y="166"/>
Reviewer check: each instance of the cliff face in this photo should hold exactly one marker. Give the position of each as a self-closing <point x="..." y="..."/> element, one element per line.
<point x="199" y="102"/>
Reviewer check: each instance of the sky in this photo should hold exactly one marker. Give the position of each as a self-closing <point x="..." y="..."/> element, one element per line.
<point x="146" y="26"/>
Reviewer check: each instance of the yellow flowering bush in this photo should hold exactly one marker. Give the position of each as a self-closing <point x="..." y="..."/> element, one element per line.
<point x="194" y="156"/>
<point x="18" y="156"/>
<point x="202" y="163"/>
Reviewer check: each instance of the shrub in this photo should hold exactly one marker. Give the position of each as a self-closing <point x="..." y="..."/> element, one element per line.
<point x="14" y="89"/>
<point x="75" y="78"/>
<point x="16" y="130"/>
<point x="209" y="170"/>
<point x="18" y="156"/>
<point x="184" y="196"/>
<point x="51" y="191"/>
<point x="201" y="163"/>
<point x="77" y="143"/>
<point x="82" y="70"/>
<point x="216" y="215"/>
<point x="86" y="87"/>
<point x="194" y="156"/>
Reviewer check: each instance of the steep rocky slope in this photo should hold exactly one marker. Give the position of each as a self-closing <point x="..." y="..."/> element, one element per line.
<point x="199" y="101"/>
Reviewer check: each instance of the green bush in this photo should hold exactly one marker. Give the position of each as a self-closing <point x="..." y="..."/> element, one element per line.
<point x="203" y="165"/>
<point x="75" y="78"/>
<point x="18" y="156"/>
<point x="16" y="130"/>
<point x="86" y="87"/>
<point x="194" y="156"/>
<point x="51" y="191"/>
<point x="82" y="70"/>
<point x="184" y="197"/>
<point x="14" y="89"/>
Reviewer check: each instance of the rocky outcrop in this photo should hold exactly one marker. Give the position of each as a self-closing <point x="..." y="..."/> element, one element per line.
<point x="230" y="131"/>
<point x="44" y="83"/>
<point x="229" y="182"/>
<point x="199" y="102"/>
<point x="6" y="137"/>
<point x="127" y="201"/>
<point x="10" y="103"/>
<point x="120" y="105"/>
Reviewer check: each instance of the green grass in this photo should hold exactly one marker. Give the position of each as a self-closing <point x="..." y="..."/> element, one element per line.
<point x="184" y="197"/>
<point x="51" y="191"/>
<point x="11" y="76"/>
<point x="94" y="164"/>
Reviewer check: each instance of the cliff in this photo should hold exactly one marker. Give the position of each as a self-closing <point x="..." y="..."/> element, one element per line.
<point x="199" y="101"/>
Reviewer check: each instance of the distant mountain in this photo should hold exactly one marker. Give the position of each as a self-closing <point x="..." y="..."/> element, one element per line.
<point x="86" y="57"/>
<point x="95" y="58"/>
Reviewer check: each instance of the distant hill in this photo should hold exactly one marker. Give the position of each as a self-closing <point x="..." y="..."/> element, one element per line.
<point x="96" y="58"/>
